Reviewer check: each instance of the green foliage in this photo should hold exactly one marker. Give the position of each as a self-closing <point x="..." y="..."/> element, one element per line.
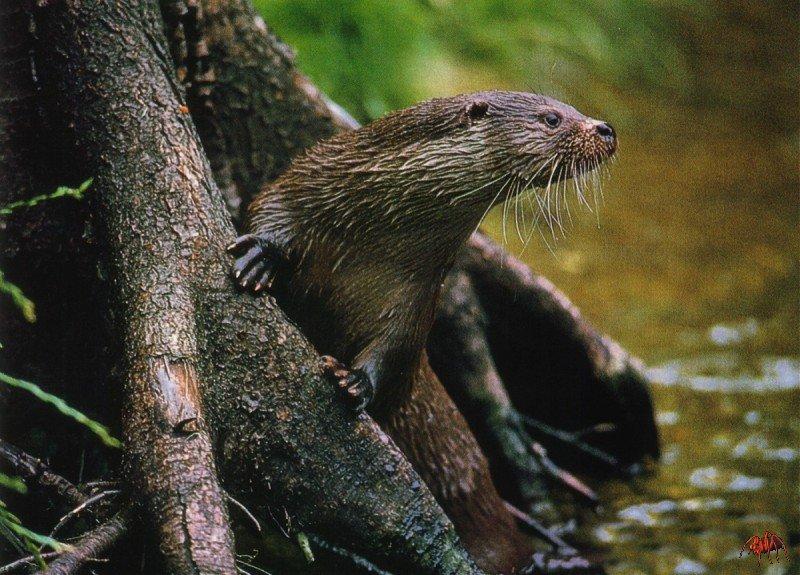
<point x="11" y="528"/>
<point x="13" y="483"/>
<point x="23" y="539"/>
<point x="360" y="52"/>
<point x="305" y="546"/>
<point x="25" y="305"/>
<point x="97" y="428"/>
<point x="614" y="59"/>
<point x="61" y="192"/>
<point x="372" y="56"/>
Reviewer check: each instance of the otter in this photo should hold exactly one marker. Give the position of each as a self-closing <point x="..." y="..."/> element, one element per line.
<point x="355" y="238"/>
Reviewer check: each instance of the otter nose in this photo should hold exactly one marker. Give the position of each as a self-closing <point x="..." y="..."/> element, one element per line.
<point x="606" y="132"/>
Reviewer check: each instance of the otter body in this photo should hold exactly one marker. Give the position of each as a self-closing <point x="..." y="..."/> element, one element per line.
<point x="368" y="222"/>
<point x="356" y="237"/>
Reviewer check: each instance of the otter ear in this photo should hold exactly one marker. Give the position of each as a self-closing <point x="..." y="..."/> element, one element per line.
<point x="477" y="110"/>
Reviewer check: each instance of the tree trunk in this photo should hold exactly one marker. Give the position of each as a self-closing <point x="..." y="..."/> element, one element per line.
<point x="201" y="363"/>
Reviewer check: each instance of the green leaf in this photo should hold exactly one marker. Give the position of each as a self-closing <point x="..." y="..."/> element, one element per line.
<point x="11" y="525"/>
<point x="13" y="483"/>
<point x="305" y="546"/>
<point x="97" y="428"/>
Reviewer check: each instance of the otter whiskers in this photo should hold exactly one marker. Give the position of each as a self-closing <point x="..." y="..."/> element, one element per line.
<point x="550" y="201"/>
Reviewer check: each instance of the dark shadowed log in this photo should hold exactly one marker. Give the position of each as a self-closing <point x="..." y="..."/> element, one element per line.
<point x="253" y="109"/>
<point x="555" y="365"/>
<point x="459" y="350"/>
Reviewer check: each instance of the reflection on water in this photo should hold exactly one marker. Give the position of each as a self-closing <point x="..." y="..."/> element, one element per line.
<point x="730" y="470"/>
<point x="705" y="289"/>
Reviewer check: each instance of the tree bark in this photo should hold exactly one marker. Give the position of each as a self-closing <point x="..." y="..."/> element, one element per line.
<point x="203" y="364"/>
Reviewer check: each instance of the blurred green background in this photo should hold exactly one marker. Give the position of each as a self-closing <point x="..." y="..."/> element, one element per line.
<point x="692" y="261"/>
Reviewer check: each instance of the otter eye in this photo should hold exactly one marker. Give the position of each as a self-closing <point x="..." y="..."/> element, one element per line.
<point x="552" y="120"/>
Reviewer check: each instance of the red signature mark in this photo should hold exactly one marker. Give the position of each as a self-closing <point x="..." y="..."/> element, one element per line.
<point x="767" y="544"/>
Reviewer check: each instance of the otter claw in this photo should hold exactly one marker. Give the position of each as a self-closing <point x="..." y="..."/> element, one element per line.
<point x="255" y="264"/>
<point x="354" y="385"/>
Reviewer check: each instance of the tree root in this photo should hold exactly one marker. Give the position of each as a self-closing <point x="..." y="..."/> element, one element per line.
<point x="168" y="444"/>
<point x="90" y="546"/>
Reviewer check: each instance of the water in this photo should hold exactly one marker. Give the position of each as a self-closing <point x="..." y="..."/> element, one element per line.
<point x="694" y="268"/>
<point x="730" y="469"/>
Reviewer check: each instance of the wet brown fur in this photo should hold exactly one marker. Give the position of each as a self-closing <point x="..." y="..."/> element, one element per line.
<point x="369" y="223"/>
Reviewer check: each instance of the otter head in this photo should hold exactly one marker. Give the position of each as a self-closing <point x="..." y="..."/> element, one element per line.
<point x="534" y="140"/>
<point x="444" y="163"/>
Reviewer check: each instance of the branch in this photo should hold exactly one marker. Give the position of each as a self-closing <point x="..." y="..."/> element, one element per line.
<point x="90" y="546"/>
<point x="460" y="354"/>
<point x="33" y="470"/>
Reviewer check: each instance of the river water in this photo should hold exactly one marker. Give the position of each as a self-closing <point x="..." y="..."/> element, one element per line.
<point x="691" y="263"/>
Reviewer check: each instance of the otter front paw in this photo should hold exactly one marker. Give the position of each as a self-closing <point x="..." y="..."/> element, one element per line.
<point x="256" y="262"/>
<point x="355" y="385"/>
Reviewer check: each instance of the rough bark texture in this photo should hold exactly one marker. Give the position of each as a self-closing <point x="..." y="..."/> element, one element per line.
<point x="259" y="111"/>
<point x="161" y="226"/>
<point x="149" y="172"/>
